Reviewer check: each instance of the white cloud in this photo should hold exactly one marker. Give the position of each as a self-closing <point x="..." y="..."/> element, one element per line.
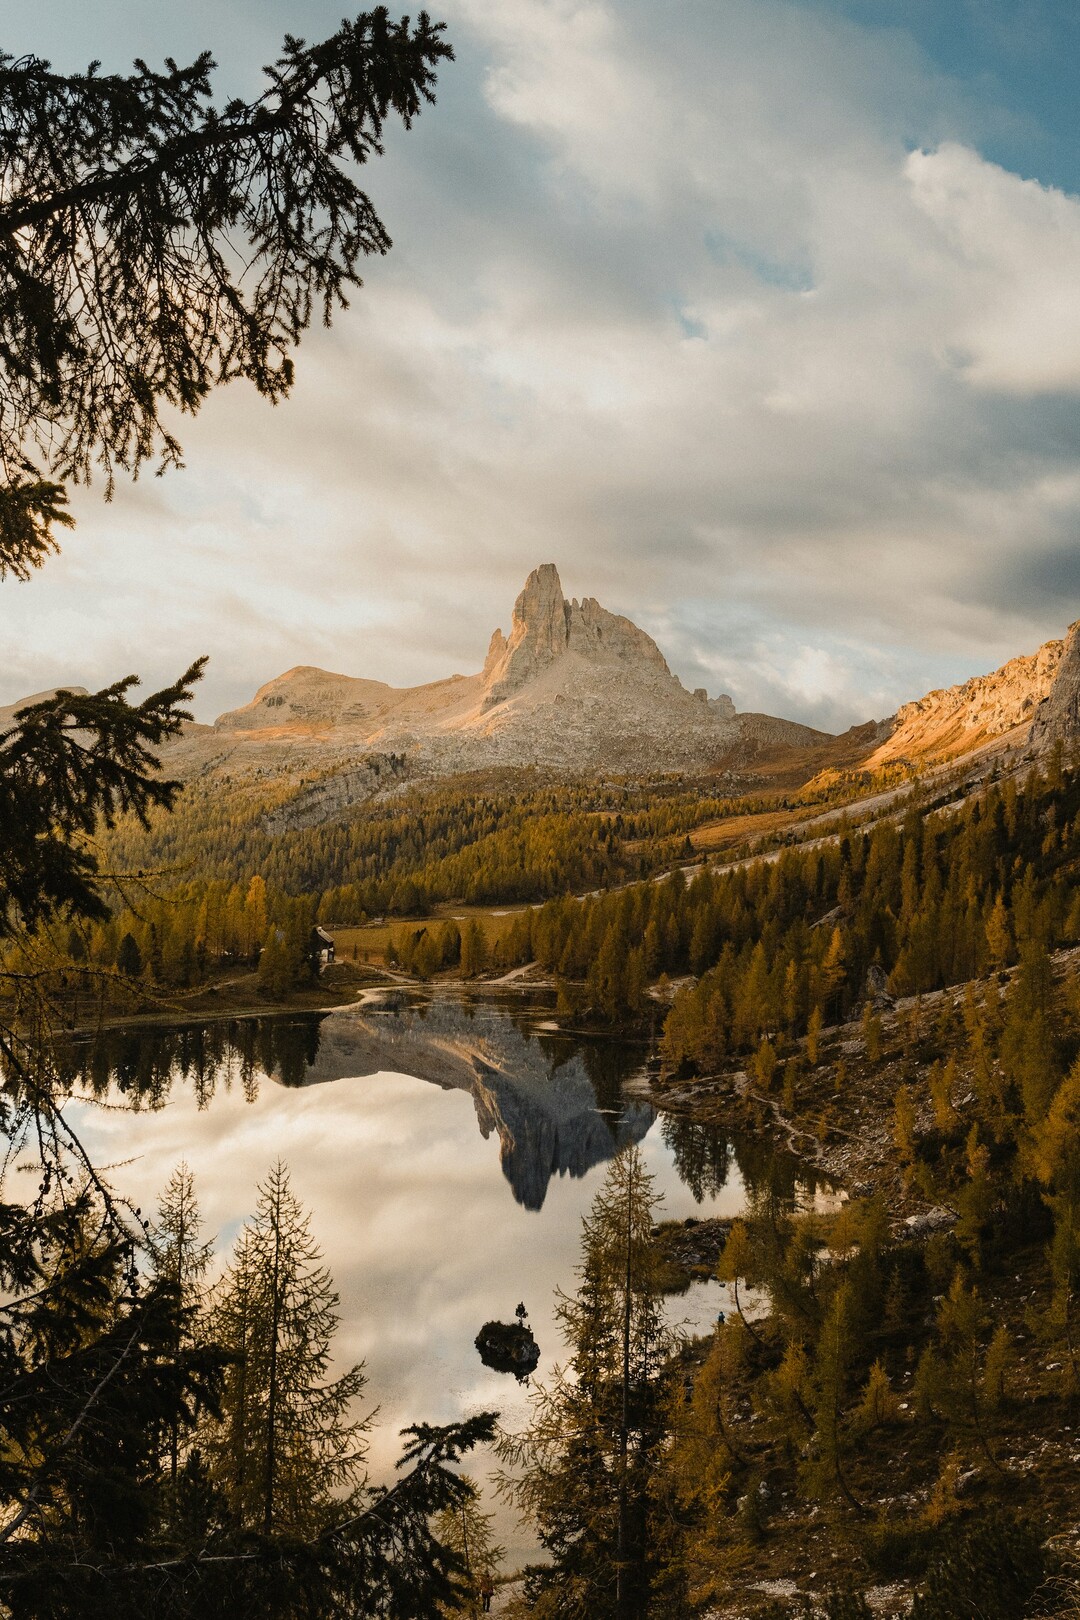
<point x="1013" y="247"/>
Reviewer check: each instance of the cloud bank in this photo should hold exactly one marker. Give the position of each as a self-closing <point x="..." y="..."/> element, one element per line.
<point x="720" y="308"/>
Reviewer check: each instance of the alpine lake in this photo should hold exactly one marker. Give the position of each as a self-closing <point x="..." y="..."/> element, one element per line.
<point x="446" y="1146"/>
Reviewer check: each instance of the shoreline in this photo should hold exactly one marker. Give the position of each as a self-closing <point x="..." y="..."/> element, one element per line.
<point x="198" y="1008"/>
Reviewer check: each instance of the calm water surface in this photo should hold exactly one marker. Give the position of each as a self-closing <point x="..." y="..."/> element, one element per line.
<point x="447" y="1152"/>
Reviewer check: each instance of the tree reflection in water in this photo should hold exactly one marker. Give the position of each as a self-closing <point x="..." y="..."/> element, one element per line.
<point x="553" y="1099"/>
<point x="145" y="1061"/>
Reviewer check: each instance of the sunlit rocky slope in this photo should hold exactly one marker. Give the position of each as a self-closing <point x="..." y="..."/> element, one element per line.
<point x="1031" y="700"/>
<point x="576" y="690"/>
<point x="572" y="687"/>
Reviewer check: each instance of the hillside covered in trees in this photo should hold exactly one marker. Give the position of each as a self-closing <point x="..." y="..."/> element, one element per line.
<point x="899" y="995"/>
<point x="204" y="888"/>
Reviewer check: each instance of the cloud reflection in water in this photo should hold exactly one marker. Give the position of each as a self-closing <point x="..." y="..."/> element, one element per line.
<point x="376" y="1114"/>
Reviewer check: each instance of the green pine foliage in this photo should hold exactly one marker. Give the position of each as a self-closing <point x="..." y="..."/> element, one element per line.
<point x="586" y="1468"/>
<point x="183" y="1450"/>
<point x="289" y="1450"/>
<point x="154" y="245"/>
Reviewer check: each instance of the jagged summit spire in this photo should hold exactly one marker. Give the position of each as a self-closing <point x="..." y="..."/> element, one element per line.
<point x="542" y="614"/>
<point x="571" y="688"/>
<point x="545" y="626"/>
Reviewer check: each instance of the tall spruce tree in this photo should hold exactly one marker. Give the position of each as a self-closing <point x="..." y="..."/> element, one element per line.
<point x="584" y="1468"/>
<point x="180" y="1261"/>
<point x="289" y="1444"/>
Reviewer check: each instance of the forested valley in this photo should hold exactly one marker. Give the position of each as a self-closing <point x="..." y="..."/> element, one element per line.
<point x="878" y="972"/>
<point x="897" y="1397"/>
<point x="776" y="947"/>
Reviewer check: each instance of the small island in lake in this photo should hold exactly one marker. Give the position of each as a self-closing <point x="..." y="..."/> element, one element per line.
<point x="508" y="1347"/>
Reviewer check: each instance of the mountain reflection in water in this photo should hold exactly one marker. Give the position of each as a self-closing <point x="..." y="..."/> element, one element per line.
<point x="554" y="1100"/>
<point x="408" y="1206"/>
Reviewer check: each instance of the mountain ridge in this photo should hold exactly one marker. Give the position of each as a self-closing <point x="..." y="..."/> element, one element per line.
<point x="576" y="689"/>
<point x="572" y="687"/>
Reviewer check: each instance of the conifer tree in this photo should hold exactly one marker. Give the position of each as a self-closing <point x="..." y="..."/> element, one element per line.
<point x="829" y="1391"/>
<point x="153" y="246"/>
<point x="904" y="1122"/>
<point x="1029" y="1040"/>
<point x="586" y="1464"/>
<point x="288" y="1440"/>
<point x="129" y="958"/>
<point x="254" y="915"/>
<point x="467" y="1531"/>
<point x="180" y="1261"/>
<point x="813" y="1037"/>
<point x="474" y="952"/>
<point x="273" y="969"/>
<point x="999" y="935"/>
<point x="1054" y="1156"/>
<point x="957" y="1377"/>
<point x="737" y="1261"/>
<point x="879" y="1403"/>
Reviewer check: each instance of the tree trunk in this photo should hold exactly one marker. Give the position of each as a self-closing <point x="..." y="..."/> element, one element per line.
<point x="272" y="1390"/>
<point x="622" y="1573"/>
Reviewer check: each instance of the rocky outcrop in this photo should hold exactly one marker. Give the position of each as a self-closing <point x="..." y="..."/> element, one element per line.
<point x="336" y="793"/>
<point x="546" y="626"/>
<point x="576" y="689"/>
<point x="1057" y="718"/>
<point x="948" y="723"/>
<point x="309" y="699"/>
<point x="572" y="688"/>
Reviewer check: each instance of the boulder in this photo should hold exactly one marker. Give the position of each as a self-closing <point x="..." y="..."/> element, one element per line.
<point x="929" y="1221"/>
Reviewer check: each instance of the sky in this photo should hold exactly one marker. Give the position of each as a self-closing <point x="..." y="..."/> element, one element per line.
<point x="761" y="320"/>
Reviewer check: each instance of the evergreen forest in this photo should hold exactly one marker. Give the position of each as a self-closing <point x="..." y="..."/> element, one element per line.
<point x="876" y="972"/>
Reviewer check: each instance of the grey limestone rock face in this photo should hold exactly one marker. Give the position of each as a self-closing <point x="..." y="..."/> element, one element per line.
<point x="572" y="688"/>
<point x="722" y="706"/>
<point x="537" y="1099"/>
<point x="929" y="1221"/>
<point x="546" y="626"/>
<point x="1057" y="719"/>
<point x="877" y="988"/>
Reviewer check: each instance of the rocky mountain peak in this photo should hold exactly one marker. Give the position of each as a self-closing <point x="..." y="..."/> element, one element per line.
<point x="572" y="688"/>
<point x="541" y="618"/>
<point x="545" y="627"/>
<point x="1057" y="718"/>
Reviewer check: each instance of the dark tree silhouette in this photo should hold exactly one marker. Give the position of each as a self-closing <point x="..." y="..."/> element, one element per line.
<point x="153" y="245"/>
